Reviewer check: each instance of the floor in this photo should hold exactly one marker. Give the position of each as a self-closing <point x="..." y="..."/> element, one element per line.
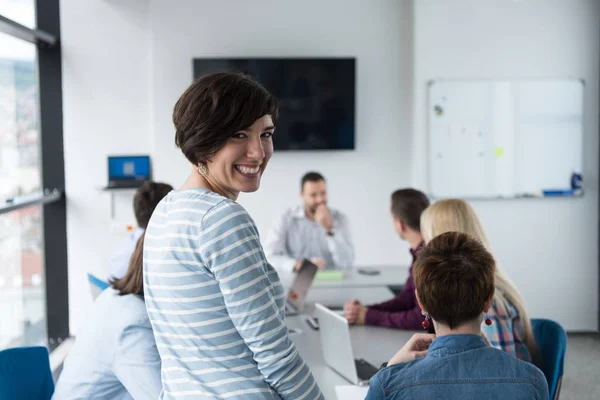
<point x="581" y="379"/>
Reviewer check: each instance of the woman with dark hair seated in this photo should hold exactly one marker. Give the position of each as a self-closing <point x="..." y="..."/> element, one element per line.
<point x="454" y="278"/>
<point x="114" y="355"/>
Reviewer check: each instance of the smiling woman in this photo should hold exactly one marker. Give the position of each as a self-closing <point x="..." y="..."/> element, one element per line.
<point x="216" y="305"/>
<point x="242" y="161"/>
<point x="230" y="146"/>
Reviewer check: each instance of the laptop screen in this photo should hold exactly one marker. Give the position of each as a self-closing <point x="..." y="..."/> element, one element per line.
<point x="129" y="168"/>
<point x="299" y="289"/>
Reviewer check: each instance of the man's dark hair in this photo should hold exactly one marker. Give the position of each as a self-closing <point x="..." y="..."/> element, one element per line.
<point x="133" y="280"/>
<point x="215" y="107"/>
<point x="146" y="199"/>
<point x="311" y="177"/>
<point x="454" y="277"/>
<point x="407" y="205"/>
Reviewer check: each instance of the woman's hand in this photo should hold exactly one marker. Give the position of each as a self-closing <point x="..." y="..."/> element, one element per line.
<point x="415" y="348"/>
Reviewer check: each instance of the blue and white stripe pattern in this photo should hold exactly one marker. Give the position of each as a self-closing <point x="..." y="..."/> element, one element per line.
<point x="216" y="305"/>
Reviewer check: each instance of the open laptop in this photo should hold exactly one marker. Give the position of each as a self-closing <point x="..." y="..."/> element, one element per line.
<point x="337" y="347"/>
<point x="299" y="289"/>
<point x="128" y="171"/>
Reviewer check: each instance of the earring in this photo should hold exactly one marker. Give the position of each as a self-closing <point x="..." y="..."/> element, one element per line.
<point x="487" y="320"/>
<point x="425" y="323"/>
<point x="202" y="170"/>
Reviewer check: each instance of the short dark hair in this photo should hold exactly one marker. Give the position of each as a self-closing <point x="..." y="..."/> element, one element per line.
<point x="311" y="177"/>
<point x="215" y="107"/>
<point x="146" y="199"/>
<point x="133" y="280"/>
<point x="454" y="277"/>
<point x="407" y="205"/>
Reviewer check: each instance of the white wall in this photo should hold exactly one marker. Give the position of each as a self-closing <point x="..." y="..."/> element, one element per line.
<point x="118" y="89"/>
<point x="549" y="247"/>
<point x="125" y="63"/>
<point x="378" y="34"/>
<point x="106" y="106"/>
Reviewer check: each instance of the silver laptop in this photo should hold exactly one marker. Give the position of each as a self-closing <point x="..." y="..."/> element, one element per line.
<point x="337" y="347"/>
<point x="296" y="296"/>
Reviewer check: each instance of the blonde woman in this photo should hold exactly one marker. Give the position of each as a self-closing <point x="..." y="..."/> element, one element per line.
<point x="510" y="328"/>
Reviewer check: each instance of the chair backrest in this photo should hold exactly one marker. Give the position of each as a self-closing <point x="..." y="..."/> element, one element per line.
<point x="551" y="339"/>
<point x="25" y="374"/>
<point x="97" y="285"/>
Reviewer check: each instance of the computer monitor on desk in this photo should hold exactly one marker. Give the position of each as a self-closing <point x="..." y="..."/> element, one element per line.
<point x="128" y="171"/>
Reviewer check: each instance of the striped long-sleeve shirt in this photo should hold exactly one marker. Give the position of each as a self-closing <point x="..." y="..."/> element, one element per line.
<point x="216" y="305"/>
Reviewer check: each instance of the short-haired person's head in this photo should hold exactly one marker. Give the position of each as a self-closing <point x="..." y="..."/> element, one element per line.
<point x="133" y="280"/>
<point x="224" y="126"/>
<point x="312" y="177"/>
<point x="313" y="190"/>
<point x="452" y="215"/>
<point x="406" y="208"/>
<point x="454" y="278"/>
<point x="146" y="199"/>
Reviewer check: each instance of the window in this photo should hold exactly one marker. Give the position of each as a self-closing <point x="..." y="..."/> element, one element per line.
<point x="19" y="127"/>
<point x="20" y="11"/>
<point x="22" y="303"/>
<point x="33" y="261"/>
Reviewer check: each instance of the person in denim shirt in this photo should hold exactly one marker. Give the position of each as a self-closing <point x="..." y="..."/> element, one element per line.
<point x="115" y="354"/>
<point x="454" y="278"/>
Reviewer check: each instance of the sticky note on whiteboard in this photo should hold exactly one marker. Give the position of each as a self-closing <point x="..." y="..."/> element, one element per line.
<point x="499" y="152"/>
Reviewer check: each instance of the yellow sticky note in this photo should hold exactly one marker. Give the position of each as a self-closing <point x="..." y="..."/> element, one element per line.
<point x="499" y="151"/>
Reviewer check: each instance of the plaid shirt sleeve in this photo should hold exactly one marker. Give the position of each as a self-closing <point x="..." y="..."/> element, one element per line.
<point x="507" y="331"/>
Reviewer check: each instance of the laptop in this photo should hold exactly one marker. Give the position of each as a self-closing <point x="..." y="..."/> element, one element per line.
<point x="128" y="171"/>
<point x="337" y="348"/>
<point x="296" y="296"/>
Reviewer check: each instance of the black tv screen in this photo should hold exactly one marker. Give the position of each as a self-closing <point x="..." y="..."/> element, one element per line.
<point x="316" y="97"/>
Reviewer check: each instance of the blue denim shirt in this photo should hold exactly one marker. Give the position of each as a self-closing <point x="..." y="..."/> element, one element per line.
<point x="114" y="356"/>
<point x="460" y="367"/>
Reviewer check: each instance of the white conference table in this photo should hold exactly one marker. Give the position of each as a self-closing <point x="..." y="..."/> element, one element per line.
<point x="388" y="275"/>
<point x="334" y="297"/>
<point x="375" y="345"/>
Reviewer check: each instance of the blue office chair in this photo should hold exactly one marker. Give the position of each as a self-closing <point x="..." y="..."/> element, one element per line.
<point x="97" y="285"/>
<point x="551" y="339"/>
<point x="25" y="374"/>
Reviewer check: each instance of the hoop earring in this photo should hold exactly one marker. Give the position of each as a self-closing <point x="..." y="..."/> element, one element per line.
<point x="425" y="323"/>
<point x="202" y="169"/>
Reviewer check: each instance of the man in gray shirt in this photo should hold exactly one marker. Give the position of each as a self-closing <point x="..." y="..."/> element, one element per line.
<point x="310" y="231"/>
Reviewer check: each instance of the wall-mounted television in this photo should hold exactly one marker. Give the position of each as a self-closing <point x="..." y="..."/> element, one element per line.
<point x="316" y="97"/>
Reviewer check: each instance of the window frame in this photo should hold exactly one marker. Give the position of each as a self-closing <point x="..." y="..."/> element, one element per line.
<point x="52" y="199"/>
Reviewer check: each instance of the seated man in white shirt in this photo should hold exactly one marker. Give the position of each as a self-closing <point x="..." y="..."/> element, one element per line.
<point x="145" y="200"/>
<point x="310" y="231"/>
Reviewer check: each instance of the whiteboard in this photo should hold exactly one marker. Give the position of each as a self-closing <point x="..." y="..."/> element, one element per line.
<point x="502" y="139"/>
